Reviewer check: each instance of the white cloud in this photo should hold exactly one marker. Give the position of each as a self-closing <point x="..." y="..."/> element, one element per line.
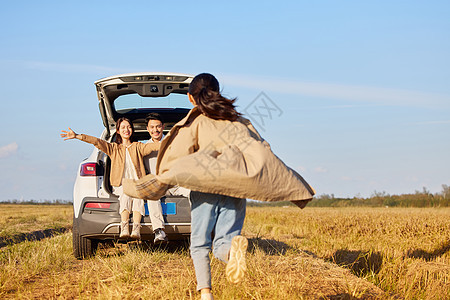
<point x="357" y="93"/>
<point x="60" y="67"/>
<point x="46" y="66"/>
<point x="320" y="170"/>
<point x="301" y="169"/>
<point x="8" y="150"/>
<point x="412" y="178"/>
<point x="433" y="122"/>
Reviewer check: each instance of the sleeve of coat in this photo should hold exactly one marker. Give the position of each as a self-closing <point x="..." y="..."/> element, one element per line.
<point x="255" y="133"/>
<point x="103" y="145"/>
<point x="173" y="148"/>
<point x="148" y="148"/>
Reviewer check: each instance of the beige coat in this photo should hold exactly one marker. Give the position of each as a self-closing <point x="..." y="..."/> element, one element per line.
<point x="117" y="152"/>
<point x="229" y="158"/>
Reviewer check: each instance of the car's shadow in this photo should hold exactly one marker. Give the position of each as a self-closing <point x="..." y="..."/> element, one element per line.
<point x="119" y="248"/>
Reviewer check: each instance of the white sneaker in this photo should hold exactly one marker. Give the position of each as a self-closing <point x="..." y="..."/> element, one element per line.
<point x="160" y="236"/>
<point x="124" y="229"/>
<point x="136" y="233"/>
<point x="236" y="266"/>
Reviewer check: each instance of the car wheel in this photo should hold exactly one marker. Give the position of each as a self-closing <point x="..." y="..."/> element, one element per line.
<point x="82" y="247"/>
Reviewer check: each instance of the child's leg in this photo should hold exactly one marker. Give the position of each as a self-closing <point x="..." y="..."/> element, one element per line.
<point x="228" y="245"/>
<point x="203" y="216"/>
<point x="229" y="224"/>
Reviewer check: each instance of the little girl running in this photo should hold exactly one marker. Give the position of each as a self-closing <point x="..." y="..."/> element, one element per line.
<point x="221" y="158"/>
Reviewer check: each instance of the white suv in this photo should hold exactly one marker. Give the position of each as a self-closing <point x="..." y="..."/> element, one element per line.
<point x="96" y="208"/>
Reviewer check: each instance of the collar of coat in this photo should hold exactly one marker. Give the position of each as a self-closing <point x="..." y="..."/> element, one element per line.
<point x="188" y="119"/>
<point x="192" y="114"/>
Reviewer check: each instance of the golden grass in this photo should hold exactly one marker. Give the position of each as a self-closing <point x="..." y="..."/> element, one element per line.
<point x="404" y="251"/>
<point x="293" y="254"/>
<point x="17" y="218"/>
<point x="46" y="269"/>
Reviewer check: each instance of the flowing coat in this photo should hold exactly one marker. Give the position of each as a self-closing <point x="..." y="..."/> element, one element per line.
<point x="223" y="157"/>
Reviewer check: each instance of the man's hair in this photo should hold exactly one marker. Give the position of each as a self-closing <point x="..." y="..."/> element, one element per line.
<point x="154" y="116"/>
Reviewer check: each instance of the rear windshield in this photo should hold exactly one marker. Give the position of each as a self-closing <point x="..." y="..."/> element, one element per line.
<point x="135" y="101"/>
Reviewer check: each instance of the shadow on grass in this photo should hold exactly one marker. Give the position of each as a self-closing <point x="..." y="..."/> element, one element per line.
<point x="32" y="236"/>
<point x="170" y="247"/>
<point x="359" y="262"/>
<point x="269" y="247"/>
<point x="346" y="296"/>
<point x="428" y="256"/>
<point x="117" y="248"/>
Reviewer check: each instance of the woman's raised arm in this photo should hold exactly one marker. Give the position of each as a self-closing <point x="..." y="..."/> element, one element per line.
<point x="104" y="146"/>
<point x="68" y="135"/>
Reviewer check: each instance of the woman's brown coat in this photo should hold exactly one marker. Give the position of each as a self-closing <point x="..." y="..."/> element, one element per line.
<point x="117" y="152"/>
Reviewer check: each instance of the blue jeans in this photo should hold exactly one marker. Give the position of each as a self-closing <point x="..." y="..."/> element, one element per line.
<point x="215" y="220"/>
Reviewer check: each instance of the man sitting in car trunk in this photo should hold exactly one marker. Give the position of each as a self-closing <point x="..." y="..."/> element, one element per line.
<point x="155" y="126"/>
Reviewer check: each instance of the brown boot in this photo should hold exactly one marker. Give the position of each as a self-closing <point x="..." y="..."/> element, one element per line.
<point x="124" y="229"/>
<point x="136" y="233"/>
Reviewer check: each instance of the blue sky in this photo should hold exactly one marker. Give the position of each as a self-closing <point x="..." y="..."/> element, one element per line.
<point x="362" y="87"/>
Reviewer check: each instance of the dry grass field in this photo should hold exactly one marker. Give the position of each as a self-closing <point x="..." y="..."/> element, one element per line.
<point x="15" y="218"/>
<point x="314" y="253"/>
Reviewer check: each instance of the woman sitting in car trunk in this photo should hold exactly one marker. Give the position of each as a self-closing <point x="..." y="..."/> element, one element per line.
<point x="126" y="162"/>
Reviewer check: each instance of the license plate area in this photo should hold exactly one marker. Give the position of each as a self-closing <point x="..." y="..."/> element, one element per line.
<point x="168" y="208"/>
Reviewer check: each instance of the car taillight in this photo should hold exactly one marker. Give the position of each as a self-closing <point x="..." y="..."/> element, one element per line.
<point x="91" y="169"/>
<point x="98" y="205"/>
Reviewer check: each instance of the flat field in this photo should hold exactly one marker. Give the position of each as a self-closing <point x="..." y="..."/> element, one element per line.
<point x="16" y="218"/>
<point x="314" y="253"/>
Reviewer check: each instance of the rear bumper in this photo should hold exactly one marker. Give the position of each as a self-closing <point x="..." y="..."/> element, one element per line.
<point x="104" y="223"/>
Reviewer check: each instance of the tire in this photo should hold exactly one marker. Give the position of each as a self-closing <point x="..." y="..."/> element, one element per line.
<point x="82" y="247"/>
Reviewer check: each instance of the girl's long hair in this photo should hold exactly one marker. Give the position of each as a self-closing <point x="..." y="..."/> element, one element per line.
<point x="118" y="136"/>
<point x="205" y="90"/>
